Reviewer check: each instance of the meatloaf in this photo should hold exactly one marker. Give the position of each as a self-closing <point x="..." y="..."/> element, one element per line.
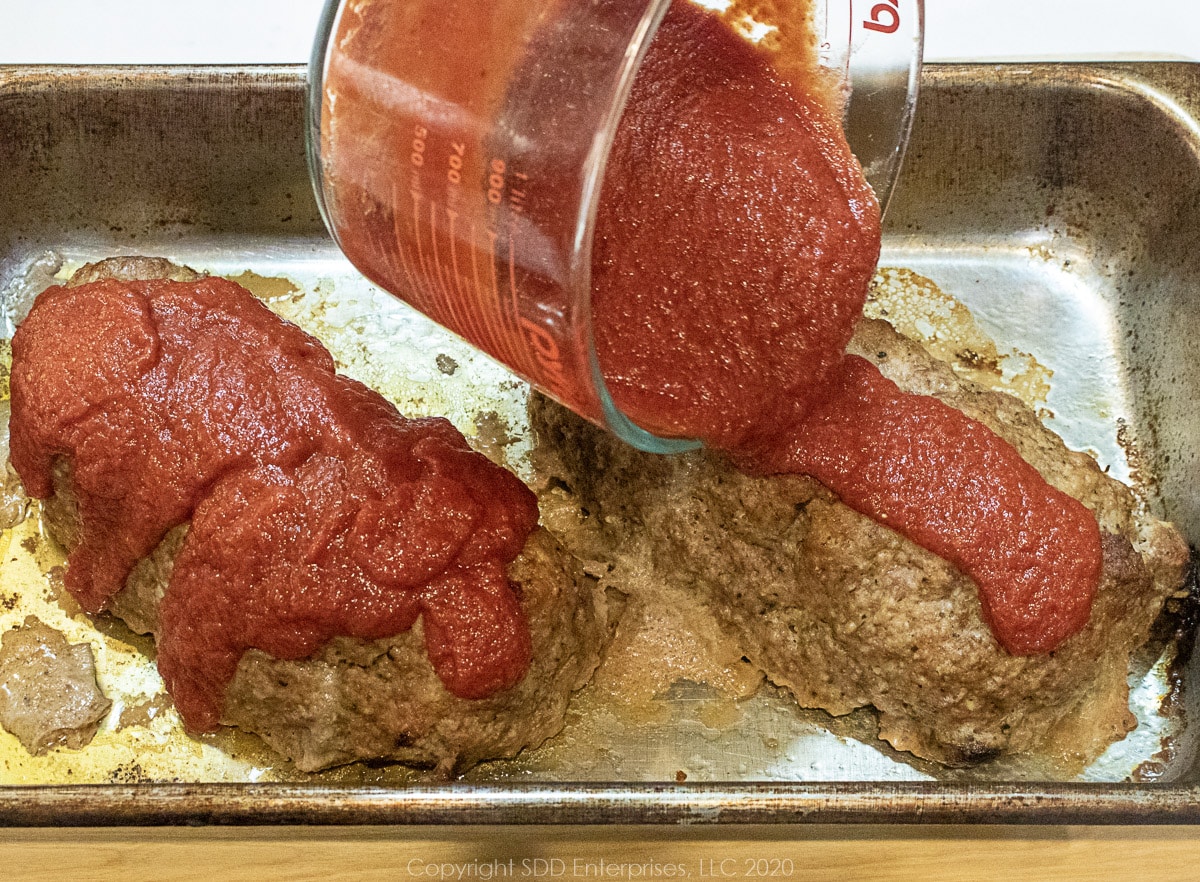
<point x="358" y="699"/>
<point x="846" y="613"/>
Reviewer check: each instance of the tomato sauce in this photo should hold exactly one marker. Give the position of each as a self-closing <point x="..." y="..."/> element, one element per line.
<point x="316" y="509"/>
<point x="735" y="241"/>
<point x="956" y="488"/>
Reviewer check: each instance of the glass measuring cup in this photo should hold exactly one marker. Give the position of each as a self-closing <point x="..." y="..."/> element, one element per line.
<point x="458" y="151"/>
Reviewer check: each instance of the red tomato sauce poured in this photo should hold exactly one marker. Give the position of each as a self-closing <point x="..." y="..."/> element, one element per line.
<point x="735" y="241"/>
<point x="316" y="509"/>
<point x="961" y="491"/>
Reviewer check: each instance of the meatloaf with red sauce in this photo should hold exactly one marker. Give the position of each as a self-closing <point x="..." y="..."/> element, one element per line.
<point x="845" y="612"/>
<point x="331" y="689"/>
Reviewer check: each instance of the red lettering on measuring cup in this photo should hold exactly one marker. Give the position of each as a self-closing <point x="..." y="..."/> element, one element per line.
<point x="495" y="182"/>
<point x="516" y="198"/>
<point x="455" y="162"/>
<point x="548" y="356"/>
<point x="885" y="17"/>
<point x="417" y="157"/>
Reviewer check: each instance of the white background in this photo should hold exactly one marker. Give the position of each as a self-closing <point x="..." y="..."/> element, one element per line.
<point x="281" y="31"/>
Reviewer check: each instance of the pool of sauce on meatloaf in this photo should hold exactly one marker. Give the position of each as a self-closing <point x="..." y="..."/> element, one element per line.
<point x="736" y="238"/>
<point x="315" y="509"/>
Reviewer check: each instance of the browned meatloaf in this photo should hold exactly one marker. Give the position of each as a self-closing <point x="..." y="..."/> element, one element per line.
<point x="356" y="699"/>
<point x="845" y="612"/>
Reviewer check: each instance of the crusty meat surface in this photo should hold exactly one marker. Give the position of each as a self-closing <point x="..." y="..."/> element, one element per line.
<point x="845" y="612"/>
<point x="131" y="269"/>
<point x="380" y="699"/>
<point x="48" y="692"/>
<point x="358" y="700"/>
<point x="13" y="500"/>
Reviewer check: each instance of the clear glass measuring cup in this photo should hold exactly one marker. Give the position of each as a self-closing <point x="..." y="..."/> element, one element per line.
<point x="458" y="149"/>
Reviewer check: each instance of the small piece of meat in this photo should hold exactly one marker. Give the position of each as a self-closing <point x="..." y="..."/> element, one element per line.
<point x="844" y="611"/>
<point x="14" y="503"/>
<point x="131" y="269"/>
<point x="48" y="692"/>
<point x="381" y="699"/>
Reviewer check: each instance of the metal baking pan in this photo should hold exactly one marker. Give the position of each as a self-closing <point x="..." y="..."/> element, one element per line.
<point x="1076" y="186"/>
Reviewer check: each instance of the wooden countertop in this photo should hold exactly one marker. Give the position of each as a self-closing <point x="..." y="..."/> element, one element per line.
<point x="811" y="853"/>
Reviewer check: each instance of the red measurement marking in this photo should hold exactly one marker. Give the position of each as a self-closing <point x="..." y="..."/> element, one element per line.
<point x="383" y="245"/>
<point x="414" y="283"/>
<point x="483" y="339"/>
<point x="468" y="309"/>
<point x="446" y="316"/>
<point x="504" y="331"/>
<point x="422" y="264"/>
<point x="455" y="302"/>
<point x="477" y="326"/>
<point x="484" y="324"/>
<point x="528" y="362"/>
<point x="524" y="363"/>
